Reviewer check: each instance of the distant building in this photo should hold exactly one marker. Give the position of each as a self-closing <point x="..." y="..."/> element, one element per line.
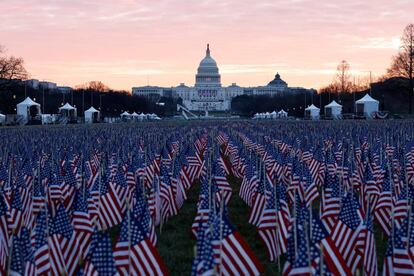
<point x="208" y="95"/>
<point x="47" y="85"/>
<point x="64" y="89"/>
<point x="33" y="83"/>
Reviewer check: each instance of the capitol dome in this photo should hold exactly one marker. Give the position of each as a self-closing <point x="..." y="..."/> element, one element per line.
<point x="208" y="72"/>
<point x="278" y="82"/>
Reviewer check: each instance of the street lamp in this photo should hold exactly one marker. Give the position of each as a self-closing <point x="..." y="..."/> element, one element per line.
<point x="100" y="102"/>
<point x="43" y="104"/>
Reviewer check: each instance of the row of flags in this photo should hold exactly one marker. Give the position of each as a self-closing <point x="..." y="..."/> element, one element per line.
<point x="87" y="201"/>
<point x="317" y="205"/>
<point x="69" y="211"/>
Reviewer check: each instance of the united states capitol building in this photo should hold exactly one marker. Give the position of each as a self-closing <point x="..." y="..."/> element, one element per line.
<point x="209" y="95"/>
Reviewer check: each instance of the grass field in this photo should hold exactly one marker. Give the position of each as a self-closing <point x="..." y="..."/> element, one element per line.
<point x="176" y="245"/>
<point x="175" y="242"/>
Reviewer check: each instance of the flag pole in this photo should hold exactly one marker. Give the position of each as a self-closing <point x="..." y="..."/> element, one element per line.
<point x="221" y="235"/>
<point x="12" y="234"/>
<point x="129" y="235"/>
<point x="278" y="253"/>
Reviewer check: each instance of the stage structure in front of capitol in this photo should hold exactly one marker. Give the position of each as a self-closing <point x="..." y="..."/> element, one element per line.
<point x="209" y="95"/>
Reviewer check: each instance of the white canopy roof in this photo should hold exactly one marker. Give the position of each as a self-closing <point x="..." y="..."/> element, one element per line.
<point x="282" y="112"/>
<point x="367" y="98"/>
<point x="333" y="104"/>
<point x="125" y="113"/>
<point x="67" y="106"/>
<point x="312" y="107"/>
<point x="2" y="115"/>
<point x="91" y="110"/>
<point x="274" y="112"/>
<point x="135" y="114"/>
<point x="28" y="102"/>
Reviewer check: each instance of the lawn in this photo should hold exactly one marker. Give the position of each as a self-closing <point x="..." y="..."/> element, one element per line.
<point x="175" y="242"/>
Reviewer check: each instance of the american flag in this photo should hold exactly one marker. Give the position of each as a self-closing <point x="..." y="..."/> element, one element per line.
<point x="41" y="245"/>
<point x="331" y="202"/>
<point x="234" y="255"/>
<point x="27" y="170"/>
<point x="22" y="262"/>
<point x="223" y="186"/>
<point x="302" y="264"/>
<point x="142" y="214"/>
<point x="203" y="207"/>
<point x="63" y="244"/>
<point x="4" y="235"/>
<point x="369" y="252"/>
<point x="135" y="254"/>
<point x="15" y="219"/>
<point x="311" y="190"/>
<point x="259" y="202"/>
<point x="347" y="230"/>
<point x="383" y="209"/>
<point x="82" y="224"/>
<point x="317" y="167"/>
<point x="101" y="259"/>
<point x="249" y="185"/>
<point x="401" y="207"/>
<point x="203" y="263"/>
<point x="168" y="204"/>
<point x="371" y="190"/>
<point x="397" y="260"/>
<point x="108" y="204"/>
<point x="121" y="189"/>
<point x="186" y="174"/>
<point x="274" y="223"/>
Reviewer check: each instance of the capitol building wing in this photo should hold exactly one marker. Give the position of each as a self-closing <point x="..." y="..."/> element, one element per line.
<point x="208" y="94"/>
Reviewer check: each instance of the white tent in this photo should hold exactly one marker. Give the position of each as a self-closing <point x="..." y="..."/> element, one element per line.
<point x="68" y="111"/>
<point x="152" y="116"/>
<point x="125" y="114"/>
<point x="28" y="109"/>
<point x="2" y="119"/>
<point x="366" y="106"/>
<point x="282" y="114"/>
<point x="312" y="112"/>
<point x="91" y="115"/>
<point x="143" y="116"/>
<point x="267" y="115"/>
<point x="333" y="110"/>
<point x="273" y="115"/>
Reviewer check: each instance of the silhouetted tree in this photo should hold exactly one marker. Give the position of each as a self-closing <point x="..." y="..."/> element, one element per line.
<point x="96" y="86"/>
<point x="11" y="68"/>
<point x="403" y="63"/>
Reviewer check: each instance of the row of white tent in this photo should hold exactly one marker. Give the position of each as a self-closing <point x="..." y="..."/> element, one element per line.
<point x="142" y="116"/>
<point x="28" y="109"/>
<point x="271" y="115"/>
<point x="366" y="106"/>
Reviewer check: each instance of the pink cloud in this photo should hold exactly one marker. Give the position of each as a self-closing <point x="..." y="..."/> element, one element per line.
<point x="125" y="43"/>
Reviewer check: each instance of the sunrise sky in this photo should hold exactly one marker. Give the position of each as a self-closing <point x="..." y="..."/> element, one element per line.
<point x="127" y="43"/>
